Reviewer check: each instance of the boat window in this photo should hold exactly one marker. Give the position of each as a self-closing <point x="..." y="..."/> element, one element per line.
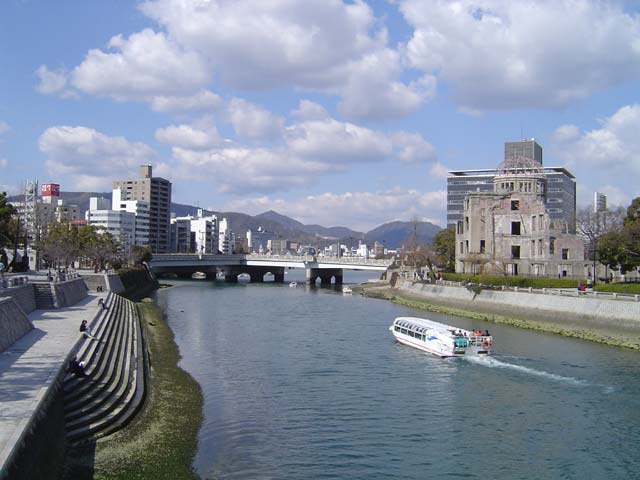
<point x="411" y="334"/>
<point x="418" y="336"/>
<point x="397" y="328"/>
<point x="403" y="330"/>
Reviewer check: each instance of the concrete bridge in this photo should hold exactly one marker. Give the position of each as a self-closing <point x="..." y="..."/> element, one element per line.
<point x="257" y="266"/>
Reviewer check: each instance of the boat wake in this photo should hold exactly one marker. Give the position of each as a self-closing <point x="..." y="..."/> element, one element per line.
<point x="493" y="362"/>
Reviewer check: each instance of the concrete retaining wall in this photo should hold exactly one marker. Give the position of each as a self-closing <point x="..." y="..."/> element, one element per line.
<point x="14" y="323"/>
<point x="114" y="283"/>
<point x="571" y="312"/>
<point x="67" y="294"/>
<point x="23" y="295"/>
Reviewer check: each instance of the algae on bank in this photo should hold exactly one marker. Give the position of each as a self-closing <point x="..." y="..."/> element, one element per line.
<point x="160" y="443"/>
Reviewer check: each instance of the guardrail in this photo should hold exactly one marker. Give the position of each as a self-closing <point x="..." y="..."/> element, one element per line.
<point x="567" y="292"/>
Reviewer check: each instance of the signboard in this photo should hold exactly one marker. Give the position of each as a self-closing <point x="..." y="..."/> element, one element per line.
<point x="50" y="190"/>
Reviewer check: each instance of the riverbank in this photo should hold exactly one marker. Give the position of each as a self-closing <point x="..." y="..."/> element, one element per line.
<point x="161" y="441"/>
<point x="611" y="335"/>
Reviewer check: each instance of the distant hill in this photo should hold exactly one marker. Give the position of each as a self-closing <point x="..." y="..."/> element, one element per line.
<point x="392" y="234"/>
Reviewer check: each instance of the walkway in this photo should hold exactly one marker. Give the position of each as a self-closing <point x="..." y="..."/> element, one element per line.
<point x="30" y="366"/>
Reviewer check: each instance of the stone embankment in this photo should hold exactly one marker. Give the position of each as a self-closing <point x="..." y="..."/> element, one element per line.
<point x="601" y="319"/>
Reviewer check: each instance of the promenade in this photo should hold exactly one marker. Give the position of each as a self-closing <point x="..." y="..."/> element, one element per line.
<point x="32" y="364"/>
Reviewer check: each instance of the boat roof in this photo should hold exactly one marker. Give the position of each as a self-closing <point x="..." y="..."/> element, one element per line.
<point x="422" y="324"/>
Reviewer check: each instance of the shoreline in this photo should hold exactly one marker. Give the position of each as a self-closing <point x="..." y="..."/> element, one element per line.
<point x="612" y="337"/>
<point x="161" y="441"/>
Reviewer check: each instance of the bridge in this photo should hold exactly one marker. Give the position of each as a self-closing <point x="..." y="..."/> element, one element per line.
<point x="257" y="266"/>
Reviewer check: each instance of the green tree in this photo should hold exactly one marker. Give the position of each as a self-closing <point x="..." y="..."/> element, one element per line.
<point x="140" y="254"/>
<point x="444" y="246"/>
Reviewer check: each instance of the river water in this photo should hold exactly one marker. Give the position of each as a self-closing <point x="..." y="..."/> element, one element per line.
<point x="306" y="383"/>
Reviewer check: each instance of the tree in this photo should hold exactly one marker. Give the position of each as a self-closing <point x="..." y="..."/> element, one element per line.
<point x="620" y="247"/>
<point x="7" y="226"/>
<point x="444" y="246"/>
<point x="593" y="225"/>
<point x="140" y="254"/>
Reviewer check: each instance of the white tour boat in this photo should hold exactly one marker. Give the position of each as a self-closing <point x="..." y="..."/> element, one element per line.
<point x="293" y="284"/>
<point x="440" y="339"/>
<point x="347" y="290"/>
<point x="199" y="276"/>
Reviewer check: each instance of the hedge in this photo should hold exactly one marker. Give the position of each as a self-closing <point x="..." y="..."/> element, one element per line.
<point x="511" y="281"/>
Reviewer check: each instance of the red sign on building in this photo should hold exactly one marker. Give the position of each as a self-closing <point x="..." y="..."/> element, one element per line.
<point x="50" y="190"/>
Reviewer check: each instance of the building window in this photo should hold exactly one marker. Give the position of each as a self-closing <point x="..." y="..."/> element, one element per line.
<point x="466" y="223"/>
<point x="515" y="228"/>
<point x="515" y="251"/>
<point x="466" y="246"/>
<point x="552" y="246"/>
<point x="533" y="223"/>
<point x="540" y="222"/>
<point x="482" y="246"/>
<point x="460" y="229"/>
<point x="533" y="248"/>
<point x="515" y="204"/>
<point x="540" y="247"/>
<point x="565" y="254"/>
<point x="461" y="248"/>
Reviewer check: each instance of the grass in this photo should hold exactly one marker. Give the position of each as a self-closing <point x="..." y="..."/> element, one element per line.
<point x="511" y="281"/>
<point x="161" y="441"/>
<point x="631" y="288"/>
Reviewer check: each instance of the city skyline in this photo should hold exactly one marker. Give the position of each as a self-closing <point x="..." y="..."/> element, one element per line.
<point x="330" y="112"/>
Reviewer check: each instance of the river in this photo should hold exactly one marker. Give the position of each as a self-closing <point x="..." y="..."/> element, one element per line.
<point x="306" y="383"/>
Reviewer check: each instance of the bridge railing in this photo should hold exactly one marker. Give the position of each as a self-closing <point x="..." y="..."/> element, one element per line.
<point x="321" y="259"/>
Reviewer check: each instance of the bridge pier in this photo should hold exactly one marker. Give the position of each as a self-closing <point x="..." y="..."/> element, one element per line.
<point x="325" y="275"/>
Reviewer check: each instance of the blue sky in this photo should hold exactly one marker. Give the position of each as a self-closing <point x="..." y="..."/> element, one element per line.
<point x="333" y="112"/>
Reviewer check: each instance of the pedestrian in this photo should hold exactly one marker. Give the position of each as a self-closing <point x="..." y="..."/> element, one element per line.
<point x="76" y="367"/>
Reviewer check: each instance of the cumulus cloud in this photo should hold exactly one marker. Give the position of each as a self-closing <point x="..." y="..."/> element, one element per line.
<point x="371" y="90"/>
<point x="145" y="65"/>
<point x="337" y="142"/>
<point x="243" y="170"/>
<point x="607" y="154"/>
<point x="56" y="82"/>
<point x="201" y="135"/>
<point x="336" y="47"/>
<point x="616" y="145"/>
<point x="201" y="102"/>
<point x="90" y="158"/>
<point x="359" y="210"/>
<point x="253" y="122"/>
<point x="500" y="54"/>
<point x="308" y="110"/>
<point x="4" y="128"/>
<point x="413" y="148"/>
<point x="4" y="163"/>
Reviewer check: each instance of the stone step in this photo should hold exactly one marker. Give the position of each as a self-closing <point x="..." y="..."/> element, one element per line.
<point x="100" y="393"/>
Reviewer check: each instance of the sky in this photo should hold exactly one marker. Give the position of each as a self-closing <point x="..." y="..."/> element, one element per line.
<point x="336" y="112"/>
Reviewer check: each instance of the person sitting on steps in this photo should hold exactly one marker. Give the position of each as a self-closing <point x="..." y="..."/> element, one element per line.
<point x="102" y="304"/>
<point x="85" y="330"/>
<point x="77" y="368"/>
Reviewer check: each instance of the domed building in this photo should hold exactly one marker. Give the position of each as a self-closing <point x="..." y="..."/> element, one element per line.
<point x="509" y="230"/>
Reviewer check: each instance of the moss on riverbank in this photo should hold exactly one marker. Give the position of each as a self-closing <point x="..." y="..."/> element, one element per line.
<point x="402" y="298"/>
<point x="161" y="441"/>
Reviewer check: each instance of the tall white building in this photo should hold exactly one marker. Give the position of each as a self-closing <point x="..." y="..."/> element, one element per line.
<point x="225" y="237"/>
<point x="120" y="224"/>
<point x="599" y="202"/>
<point x="141" y="211"/>
<point x="194" y="234"/>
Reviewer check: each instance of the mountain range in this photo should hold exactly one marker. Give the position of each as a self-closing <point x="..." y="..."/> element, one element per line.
<point x="391" y="234"/>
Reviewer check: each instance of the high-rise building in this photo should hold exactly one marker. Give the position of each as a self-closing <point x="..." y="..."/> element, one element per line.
<point x="523" y="148"/>
<point x="560" y="194"/>
<point x="599" y="202"/>
<point x="157" y="192"/>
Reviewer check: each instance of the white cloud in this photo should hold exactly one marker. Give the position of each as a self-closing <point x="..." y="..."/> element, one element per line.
<point x="614" y="146"/>
<point x="371" y="90"/>
<point x="413" y="148"/>
<point x="141" y="67"/>
<point x="197" y="136"/>
<point x="54" y="82"/>
<point x="4" y="127"/>
<point x="336" y="142"/>
<point x="243" y="170"/>
<point x="358" y="210"/>
<point x="9" y="189"/>
<point x="308" y="110"/>
<point x="4" y="163"/>
<point x="504" y="54"/>
<point x="91" y="159"/>
<point x="253" y="122"/>
<point x="438" y="170"/>
<point x="203" y="101"/>
<point x="609" y="155"/>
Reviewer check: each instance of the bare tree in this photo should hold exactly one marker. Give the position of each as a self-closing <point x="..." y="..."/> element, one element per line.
<point x="593" y="225"/>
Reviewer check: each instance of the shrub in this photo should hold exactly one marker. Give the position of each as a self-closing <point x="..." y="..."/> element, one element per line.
<point x="511" y="281"/>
